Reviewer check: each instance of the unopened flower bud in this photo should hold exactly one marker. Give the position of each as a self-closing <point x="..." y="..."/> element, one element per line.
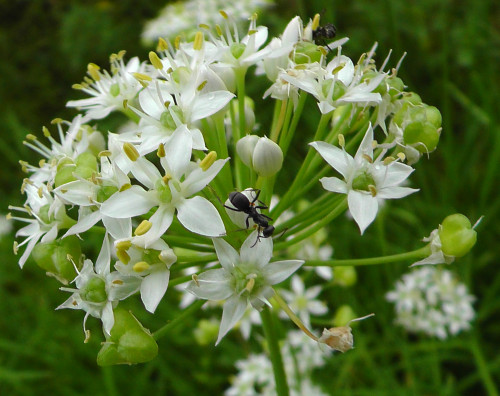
<point x="245" y="147"/>
<point x="168" y="257"/>
<point x="423" y="136"/>
<point x="128" y="343"/>
<point x="57" y="257"/>
<point x="267" y="157"/>
<point x="457" y="235"/>
<point x="343" y="315"/>
<point x="344" y="276"/>
<point x="338" y="338"/>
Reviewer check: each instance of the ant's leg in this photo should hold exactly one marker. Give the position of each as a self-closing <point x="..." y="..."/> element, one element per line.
<point x="258" y="238"/>
<point x="228" y="207"/>
<point x="256" y="195"/>
<point x="247" y="222"/>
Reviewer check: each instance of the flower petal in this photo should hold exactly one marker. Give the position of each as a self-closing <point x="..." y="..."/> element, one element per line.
<point x="199" y="215"/>
<point x="228" y="257"/>
<point x="178" y="152"/>
<point x="278" y="271"/>
<point x="334" y="184"/>
<point x="199" y="178"/>
<point x="233" y="310"/>
<point x="209" y="103"/>
<point x="129" y="203"/>
<point x="363" y="208"/>
<point x="337" y="158"/>
<point x="153" y="289"/>
<point x="212" y="285"/>
<point x="258" y="253"/>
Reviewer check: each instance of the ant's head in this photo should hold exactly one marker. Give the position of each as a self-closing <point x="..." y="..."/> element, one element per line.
<point x="267" y="231"/>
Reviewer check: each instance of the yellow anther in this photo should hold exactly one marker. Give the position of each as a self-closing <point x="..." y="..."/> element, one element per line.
<point x="161" y="151"/>
<point x="125" y="104"/>
<point x="40" y="192"/>
<point x="202" y="85"/>
<point x="323" y="51"/>
<point x="117" y="282"/>
<point x="252" y="31"/>
<point x="218" y="30"/>
<point x="177" y="42"/>
<point x="195" y="280"/>
<point x="141" y="266"/>
<point x="155" y="60"/>
<point x="208" y="161"/>
<point x="87" y="332"/>
<point x="123" y="256"/>
<point x="142" y="77"/>
<point x="77" y="86"/>
<point x="374" y="144"/>
<point x="167" y="104"/>
<point x="402" y="156"/>
<point x="88" y="80"/>
<point x="368" y="158"/>
<point x="166" y="179"/>
<point x="24" y="166"/>
<point x="250" y="285"/>
<point x="126" y="186"/>
<point x="198" y="41"/>
<point x="8" y="216"/>
<point x="162" y="45"/>
<point x="341" y="140"/>
<point x="45" y="131"/>
<point x="104" y="153"/>
<point x="56" y="121"/>
<point x="224" y="15"/>
<point x="315" y="23"/>
<point x="142" y="228"/>
<point x="15" y="247"/>
<point x="204" y="26"/>
<point x="30" y="136"/>
<point x="388" y="160"/>
<point x="121" y="54"/>
<point x="123" y="245"/>
<point x="373" y="190"/>
<point x="131" y="151"/>
<point x="93" y="71"/>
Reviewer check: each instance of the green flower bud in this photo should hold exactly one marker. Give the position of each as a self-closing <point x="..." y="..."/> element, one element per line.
<point x="129" y="342"/>
<point x="433" y="115"/>
<point x="343" y="315"/>
<point x="396" y="85"/>
<point x="237" y="49"/>
<point x="424" y="136"/>
<point x="87" y="160"/>
<point x="306" y="52"/>
<point x="94" y="291"/>
<point x="408" y="101"/>
<point x="457" y="235"/>
<point x="381" y="88"/>
<point x="53" y="257"/>
<point x="245" y="148"/>
<point x="267" y="157"/>
<point x="345" y="276"/>
<point x="206" y="332"/>
<point x="64" y="175"/>
<point x="97" y="143"/>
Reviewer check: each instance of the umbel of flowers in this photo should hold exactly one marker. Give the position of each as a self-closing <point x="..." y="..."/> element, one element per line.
<point x="187" y="184"/>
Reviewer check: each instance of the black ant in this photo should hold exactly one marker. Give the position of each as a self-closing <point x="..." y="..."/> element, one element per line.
<point x="322" y="33"/>
<point x="242" y="204"/>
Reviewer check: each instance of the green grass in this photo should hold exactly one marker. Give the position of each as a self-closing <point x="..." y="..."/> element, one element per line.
<point x="452" y="62"/>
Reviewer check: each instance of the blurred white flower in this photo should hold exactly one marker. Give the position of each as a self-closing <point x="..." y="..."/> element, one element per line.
<point x="431" y="300"/>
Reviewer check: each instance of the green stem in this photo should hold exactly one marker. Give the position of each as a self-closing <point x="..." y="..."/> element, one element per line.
<point x="274" y="353"/>
<point x="413" y="255"/>
<point x="287" y="135"/>
<point x="482" y="368"/>
<point x="179" y="319"/>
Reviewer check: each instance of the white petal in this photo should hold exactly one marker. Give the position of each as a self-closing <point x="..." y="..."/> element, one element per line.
<point x="366" y="146"/>
<point x="363" y="208"/>
<point x="212" y="285"/>
<point x="199" y="178"/>
<point x="278" y="271"/>
<point x="199" y="215"/>
<point x="337" y="158"/>
<point x="228" y="256"/>
<point x="153" y="289"/>
<point x="178" y="151"/>
<point x="209" y="103"/>
<point x="84" y="223"/>
<point x="117" y="228"/>
<point x="395" y="192"/>
<point x="146" y="172"/>
<point x="334" y="184"/>
<point x="107" y="317"/>
<point x="132" y="202"/>
<point x="120" y="287"/>
<point x="233" y="310"/>
<point x="104" y="258"/>
<point x="397" y="173"/>
<point x="77" y="192"/>
<point x="259" y="253"/>
<point x="161" y="220"/>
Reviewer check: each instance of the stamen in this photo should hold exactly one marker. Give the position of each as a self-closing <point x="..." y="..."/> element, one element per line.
<point x="155" y="60"/>
<point x="373" y="190"/>
<point x="142" y="228"/>
<point x="341" y="140"/>
<point x="161" y="151"/>
<point x="315" y="23"/>
<point x="123" y="256"/>
<point x="162" y="45"/>
<point x="131" y="151"/>
<point x="141" y="266"/>
<point x="208" y="161"/>
<point x="198" y="41"/>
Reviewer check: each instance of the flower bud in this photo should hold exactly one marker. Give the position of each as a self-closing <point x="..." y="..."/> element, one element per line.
<point x="343" y="315"/>
<point x="267" y="157"/>
<point x="53" y="257"/>
<point x="457" y="235"/>
<point x="338" y="338"/>
<point x="129" y="342"/>
<point x="344" y="276"/>
<point x="206" y="332"/>
<point x="245" y="148"/>
<point x="423" y="136"/>
<point x="306" y="52"/>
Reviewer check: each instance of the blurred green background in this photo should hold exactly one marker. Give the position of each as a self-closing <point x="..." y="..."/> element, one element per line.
<point x="453" y="63"/>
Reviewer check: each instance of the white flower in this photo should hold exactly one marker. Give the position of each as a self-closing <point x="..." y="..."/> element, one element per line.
<point x="170" y="193"/>
<point x="367" y="181"/>
<point x="98" y="290"/>
<point x="244" y="278"/>
<point x="109" y="92"/>
<point x="431" y="300"/>
<point x="303" y="301"/>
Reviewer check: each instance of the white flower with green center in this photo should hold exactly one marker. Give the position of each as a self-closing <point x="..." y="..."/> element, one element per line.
<point x="109" y="92"/>
<point x="244" y="278"/>
<point x="367" y="181"/>
<point x="170" y="192"/>
<point x="98" y="290"/>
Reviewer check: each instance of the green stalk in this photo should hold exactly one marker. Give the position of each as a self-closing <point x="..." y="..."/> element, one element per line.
<point x="226" y="172"/>
<point x="274" y="353"/>
<point x="287" y="135"/>
<point x="193" y="308"/>
<point x="482" y="367"/>
<point x="239" y="130"/>
<point x="408" y="256"/>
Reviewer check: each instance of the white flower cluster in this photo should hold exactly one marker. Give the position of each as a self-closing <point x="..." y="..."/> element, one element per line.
<point x="301" y="356"/>
<point x="183" y="17"/>
<point x="159" y="183"/>
<point x="431" y="300"/>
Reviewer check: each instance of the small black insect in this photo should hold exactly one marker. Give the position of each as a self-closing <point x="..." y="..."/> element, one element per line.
<point x="323" y="33"/>
<point x="243" y="204"/>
